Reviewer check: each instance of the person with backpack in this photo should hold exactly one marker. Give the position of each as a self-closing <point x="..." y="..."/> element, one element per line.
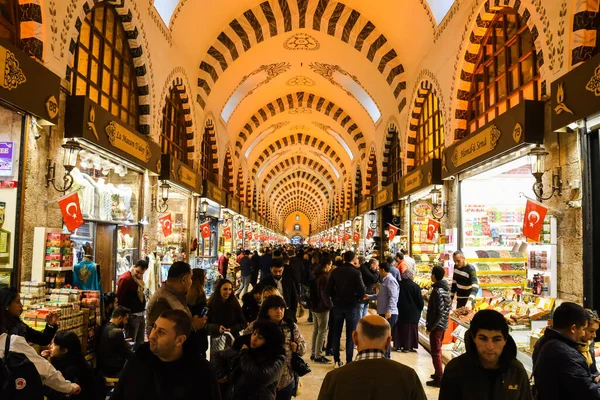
<point x="320" y="304"/>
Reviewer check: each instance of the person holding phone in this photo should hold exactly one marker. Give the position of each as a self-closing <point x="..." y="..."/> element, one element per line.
<point x="224" y="315"/>
<point x="196" y="300"/>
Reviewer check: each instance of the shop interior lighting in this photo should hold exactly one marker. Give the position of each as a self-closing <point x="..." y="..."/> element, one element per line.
<point x="71" y="152"/>
<point x="204" y="207"/>
<point x="164" y="196"/>
<point x="537" y="159"/>
<point x="437" y="202"/>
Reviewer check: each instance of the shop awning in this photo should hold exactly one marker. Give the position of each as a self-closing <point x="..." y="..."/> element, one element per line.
<point x="88" y="121"/>
<point x="28" y="85"/>
<point x="181" y="174"/>
<point x="426" y="175"/>
<point x="576" y="95"/>
<point x="521" y="125"/>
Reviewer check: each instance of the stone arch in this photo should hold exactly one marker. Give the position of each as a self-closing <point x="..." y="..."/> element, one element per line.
<point x="271" y="18"/>
<point x="391" y="132"/>
<point x="31" y="27"/>
<point x="281" y="191"/>
<point x="470" y="48"/>
<point x="135" y="46"/>
<point x="209" y="134"/>
<point x="278" y="169"/>
<point x="292" y="194"/>
<point x="180" y="89"/>
<point x="239" y="184"/>
<point x="372" y="175"/>
<point x="585" y="38"/>
<point x="301" y="175"/>
<point x="358" y="185"/>
<point x="227" y="178"/>
<point x="305" y="102"/>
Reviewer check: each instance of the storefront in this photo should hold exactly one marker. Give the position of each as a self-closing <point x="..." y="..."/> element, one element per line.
<point x="29" y="96"/>
<point x="516" y="276"/>
<point x="109" y="181"/>
<point x="365" y="226"/>
<point x="177" y="243"/>
<point x="575" y="109"/>
<point x="387" y="209"/>
<point x="213" y="198"/>
<point x="230" y="215"/>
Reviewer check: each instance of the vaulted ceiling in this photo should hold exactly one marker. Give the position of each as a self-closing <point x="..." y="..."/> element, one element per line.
<point x="304" y="88"/>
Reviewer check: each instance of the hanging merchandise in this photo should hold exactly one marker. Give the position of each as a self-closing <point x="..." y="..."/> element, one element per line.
<point x="71" y="211"/>
<point x="534" y="220"/>
<point x="432" y="228"/>
<point x="167" y="224"/>
<point x="392" y="230"/>
<point x="205" y="230"/>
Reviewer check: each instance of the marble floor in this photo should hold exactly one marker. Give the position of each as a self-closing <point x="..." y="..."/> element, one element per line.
<point x="311" y="383"/>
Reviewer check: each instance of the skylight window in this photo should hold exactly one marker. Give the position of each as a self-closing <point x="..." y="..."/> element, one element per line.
<point x="360" y="94"/>
<point x="165" y="9"/>
<point x="440" y="8"/>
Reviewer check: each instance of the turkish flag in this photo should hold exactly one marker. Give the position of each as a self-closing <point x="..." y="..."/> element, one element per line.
<point x="71" y="211"/>
<point x="227" y="233"/>
<point x="240" y="234"/>
<point x="256" y="236"/>
<point x="432" y="228"/>
<point x="356" y="236"/>
<point x="346" y="236"/>
<point x="392" y="230"/>
<point x="534" y="219"/>
<point x="205" y="230"/>
<point x="166" y="224"/>
<point x="370" y="233"/>
<point x="249" y="235"/>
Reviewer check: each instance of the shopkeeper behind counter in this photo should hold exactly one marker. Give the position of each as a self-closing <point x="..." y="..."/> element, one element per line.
<point x="464" y="281"/>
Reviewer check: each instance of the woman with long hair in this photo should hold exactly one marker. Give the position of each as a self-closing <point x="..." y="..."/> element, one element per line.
<point x="251" y="368"/>
<point x="12" y="308"/>
<point x="66" y="356"/>
<point x="320" y="310"/>
<point x="224" y="312"/>
<point x="196" y="300"/>
<point x="273" y="309"/>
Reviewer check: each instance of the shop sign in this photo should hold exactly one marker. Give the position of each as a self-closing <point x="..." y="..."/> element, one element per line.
<point x="245" y="210"/>
<point x="352" y="212"/>
<point x="517" y="127"/>
<point x="27" y="84"/>
<point x="87" y="120"/>
<point x="187" y="176"/>
<point x="576" y="95"/>
<point x="213" y="192"/>
<point x="6" y="158"/>
<point x="427" y="174"/>
<point x="233" y="203"/>
<point x="365" y="206"/>
<point x="386" y="195"/>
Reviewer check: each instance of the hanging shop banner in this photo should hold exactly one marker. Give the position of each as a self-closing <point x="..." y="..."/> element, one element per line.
<point x="370" y="233"/>
<point x="166" y="224"/>
<point x="356" y="236"/>
<point x="6" y="158"/>
<point x="205" y="230"/>
<point x="392" y="230"/>
<point x="87" y="120"/>
<point x="432" y="228"/>
<point x="240" y="234"/>
<point x="249" y="235"/>
<point x="519" y="126"/>
<point x="212" y="192"/>
<point x="533" y="220"/>
<point x="27" y="84"/>
<point x="387" y="195"/>
<point x="227" y="233"/>
<point x="576" y="95"/>
<point x="427" y="174"/>
<point x="365" y="206"/>
<point x="71" y="211"/>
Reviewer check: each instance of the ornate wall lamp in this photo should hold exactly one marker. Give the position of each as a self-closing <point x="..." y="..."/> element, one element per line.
<point x="437" y="202"/>
<point x="72" y="149"/>
<point x="537" y="159"/>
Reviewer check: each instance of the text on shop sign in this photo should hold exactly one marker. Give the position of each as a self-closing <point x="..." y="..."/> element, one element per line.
<point x="187" y="176"/>
<point x="413" y="181"/>
<point x="127" y="141"/>
<point x="478" y="145"/>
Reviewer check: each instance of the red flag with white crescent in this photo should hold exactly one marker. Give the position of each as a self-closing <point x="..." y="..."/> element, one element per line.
<point x="432" y="228"/>
<point x="256" y="236"/>
<point x="534" y="219"/>
<point x="240" y="234"/>
<point x="249" y="235"/>
<point x="370" y="233"/>
<point x="166" y="224"/>
<point x="205" y="230"/>
<point x="392" y="230"/>
<point x="71" y="211"/>
<point x="227" y="233"/>
<point x="356" y="236"/>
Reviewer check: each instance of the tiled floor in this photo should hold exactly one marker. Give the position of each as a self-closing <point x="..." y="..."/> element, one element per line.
<point x="311" y="383"/>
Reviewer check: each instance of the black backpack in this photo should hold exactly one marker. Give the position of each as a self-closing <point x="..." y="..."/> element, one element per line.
<point x="19" y="379"/>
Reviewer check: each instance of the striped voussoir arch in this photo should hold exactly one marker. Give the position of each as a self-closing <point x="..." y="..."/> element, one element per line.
<point x="371" y="166"/>
<point x="348" y="192"/>
<point x="229" y="162"/>
<point x="392" y="131"/>
<point x="297" y="139"/>
<point x="31" y="28"/>
<point x="296" y="197"/>
<point x="301" y="205"/>
<point x="273" y="17"/>
<point x="209" y="134"/>
<point x="296" y="187"/>
<point x="301" y="176"/>
<point x="299" y="100"/>
<point x="484" y="20"/>
<point x="296" y="160"/>
<point x="239" y="184"/>
<point x="422" y="92"/>
<point x="135" y="46"/>
<point x="179" y="88"/>
<point x="585" y="38"/>
<point x="358" y="184"/>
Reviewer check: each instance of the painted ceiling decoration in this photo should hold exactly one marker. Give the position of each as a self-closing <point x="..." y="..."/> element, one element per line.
<point x="305" y="101"/>
<point x="300" y="80"/>
<point x="301" y="41"/>
<point x="274" y="17"/>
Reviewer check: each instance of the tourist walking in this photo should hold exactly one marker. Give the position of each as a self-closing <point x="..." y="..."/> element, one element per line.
<point x="320" y="310"/>
<point x="387" y="298"/>
<point x="370" y="276"/>
<point x="410" y="305"/>
<point x="438" y="311"/>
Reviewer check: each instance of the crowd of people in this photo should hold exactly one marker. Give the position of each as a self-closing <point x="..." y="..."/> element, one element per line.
<point x="245" y="344"/>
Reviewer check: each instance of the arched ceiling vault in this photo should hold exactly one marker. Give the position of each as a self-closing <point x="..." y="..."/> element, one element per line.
<point x="291" y="191"/>
<point x="279" y="165"/>
<point x="300" y="174"/>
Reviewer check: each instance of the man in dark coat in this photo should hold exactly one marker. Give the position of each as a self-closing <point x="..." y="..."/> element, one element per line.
<point x="559" y="369"/>
<point x="370" y="276"/>
<point x="438" y="312"/>
<point x="489" y="369"/>
<point x="246" y="273"/>
<point x="286" y="285"/>
<point x="264" y="264"/>
<point x="161" y="369"/>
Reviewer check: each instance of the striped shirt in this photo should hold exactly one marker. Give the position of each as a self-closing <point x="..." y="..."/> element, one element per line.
<point x="464" y="282"/>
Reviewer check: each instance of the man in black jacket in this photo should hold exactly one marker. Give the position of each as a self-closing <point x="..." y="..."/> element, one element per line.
<point x="161" y="369"/>
<point x="438" y="311"/>
<point x="286" y="284"/>
<point x="246" y="273"/>
<point x="346" y="289"/>
<point x="113" y="350"/>
<point x="489" y="369"/>
<point x="264" y="263"/>
<point x="370" y="276"/>
<point x="560" y="370"/>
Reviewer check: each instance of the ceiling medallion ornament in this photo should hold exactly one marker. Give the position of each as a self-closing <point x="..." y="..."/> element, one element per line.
<point x="300" y="110"/>
<point x="301" y="41"/>
<point x="299" y="128"/>
<point x="300" y="80"/>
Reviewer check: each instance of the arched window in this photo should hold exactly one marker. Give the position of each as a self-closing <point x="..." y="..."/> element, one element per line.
<point x="103" y="67"/>
<point x="173" y="136"/>
<point x="9" y="20"/>
<point x="430" y="131"/>
<point x="207" y="157"/>
<point x="394" y="161"/>
<point x="506" y="71"/>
